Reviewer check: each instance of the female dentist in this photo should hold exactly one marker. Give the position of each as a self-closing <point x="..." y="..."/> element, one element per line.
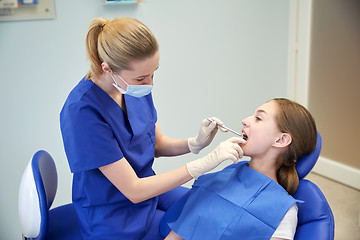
<point x="111" y="136"/>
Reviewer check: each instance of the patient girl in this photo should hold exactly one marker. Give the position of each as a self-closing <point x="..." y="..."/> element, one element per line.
<point x="250" y="200"/>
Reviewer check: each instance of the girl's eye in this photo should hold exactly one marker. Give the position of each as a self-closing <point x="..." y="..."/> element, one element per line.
<point x="258" y="119"/>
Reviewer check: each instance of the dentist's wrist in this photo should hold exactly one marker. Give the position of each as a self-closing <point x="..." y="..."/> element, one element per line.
<point x="194" y="145"/>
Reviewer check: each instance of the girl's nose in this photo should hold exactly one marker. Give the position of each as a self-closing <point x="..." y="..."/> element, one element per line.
<point x="245" y="122"/>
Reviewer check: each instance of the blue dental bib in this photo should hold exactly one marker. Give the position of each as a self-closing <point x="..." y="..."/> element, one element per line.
<point x="235" y="203"/>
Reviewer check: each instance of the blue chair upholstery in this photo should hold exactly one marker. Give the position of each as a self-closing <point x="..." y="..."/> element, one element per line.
<point x="315" y="218"/>
<point x="36" y="194"/>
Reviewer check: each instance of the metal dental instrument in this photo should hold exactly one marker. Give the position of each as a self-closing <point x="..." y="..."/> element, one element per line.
<point x="229" y="129"/>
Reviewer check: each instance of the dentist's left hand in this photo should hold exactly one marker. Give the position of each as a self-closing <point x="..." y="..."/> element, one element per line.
<point x="229" y="149"/>
<point x="205" y="136"/>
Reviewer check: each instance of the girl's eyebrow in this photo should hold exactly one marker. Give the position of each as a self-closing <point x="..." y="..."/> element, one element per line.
<point x="260" y="111"/>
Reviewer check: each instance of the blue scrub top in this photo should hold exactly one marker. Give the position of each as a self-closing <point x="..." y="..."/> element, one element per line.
<point x="97" y="132"/>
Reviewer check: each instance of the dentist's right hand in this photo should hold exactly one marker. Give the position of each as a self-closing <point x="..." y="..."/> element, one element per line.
<point x="205" y="136"/>
<point x="229" y="149"/>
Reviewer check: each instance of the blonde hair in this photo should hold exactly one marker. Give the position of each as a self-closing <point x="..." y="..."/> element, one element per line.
<point x="296" y="120"/>
<point x="118" y="43"/>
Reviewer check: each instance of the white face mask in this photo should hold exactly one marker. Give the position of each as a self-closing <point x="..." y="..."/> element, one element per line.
<point x="133" y="90"/>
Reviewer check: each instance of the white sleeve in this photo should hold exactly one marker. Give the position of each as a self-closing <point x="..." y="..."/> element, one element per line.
<point x="287" y="226"/>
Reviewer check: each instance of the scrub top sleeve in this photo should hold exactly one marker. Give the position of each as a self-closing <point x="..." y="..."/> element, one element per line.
<point x="89" y="141"/>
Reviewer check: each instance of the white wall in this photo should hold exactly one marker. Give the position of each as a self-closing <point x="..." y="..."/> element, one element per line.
<point x="218" y="58"/>
<point x="314" y="70"/>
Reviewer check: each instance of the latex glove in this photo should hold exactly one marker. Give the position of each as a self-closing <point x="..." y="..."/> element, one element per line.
<point x="229" y="149"/>
<point x="205" y="136"/>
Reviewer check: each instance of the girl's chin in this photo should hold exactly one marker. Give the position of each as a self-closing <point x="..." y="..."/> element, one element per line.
<point x="245" y="154"/>
<point x="243" y="144"/>
<point x="245" y="149"/>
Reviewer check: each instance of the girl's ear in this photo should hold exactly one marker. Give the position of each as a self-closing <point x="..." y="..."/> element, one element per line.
<point x="284" y="140"/>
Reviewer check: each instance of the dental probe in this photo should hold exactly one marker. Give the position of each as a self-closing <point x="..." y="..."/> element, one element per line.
<point x="229" y="129"/>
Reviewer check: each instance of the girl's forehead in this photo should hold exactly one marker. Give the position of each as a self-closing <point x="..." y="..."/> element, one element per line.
<point x="268" y="108"/>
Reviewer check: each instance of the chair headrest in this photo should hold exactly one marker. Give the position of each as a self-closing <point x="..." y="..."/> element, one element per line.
<point x="307" y="162"/>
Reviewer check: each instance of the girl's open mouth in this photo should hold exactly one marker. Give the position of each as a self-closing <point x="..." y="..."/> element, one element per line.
<point x="245" y="136"/>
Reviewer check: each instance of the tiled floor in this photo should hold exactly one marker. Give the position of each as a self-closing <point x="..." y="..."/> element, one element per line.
<point x="345" y="204"/>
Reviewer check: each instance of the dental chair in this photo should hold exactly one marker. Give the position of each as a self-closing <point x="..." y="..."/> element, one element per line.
<point x="315" y="218"/>
<point x="36" y="194"/>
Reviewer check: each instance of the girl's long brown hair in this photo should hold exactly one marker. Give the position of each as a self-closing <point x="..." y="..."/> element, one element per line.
<point x="296" y="120"/>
